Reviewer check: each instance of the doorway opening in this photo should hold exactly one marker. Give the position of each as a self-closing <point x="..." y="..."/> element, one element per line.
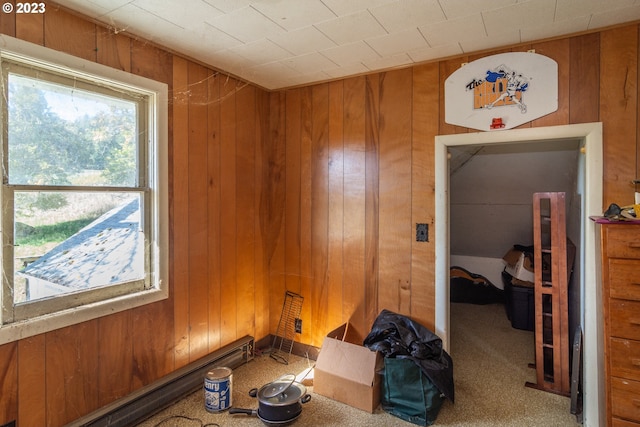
<point x="589" y="187"/>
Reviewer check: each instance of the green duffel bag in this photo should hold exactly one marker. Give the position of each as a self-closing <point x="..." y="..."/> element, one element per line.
<point x="408" y="394"/>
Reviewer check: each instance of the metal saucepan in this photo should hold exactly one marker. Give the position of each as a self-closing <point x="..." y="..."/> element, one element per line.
<point x="280" y="402"/>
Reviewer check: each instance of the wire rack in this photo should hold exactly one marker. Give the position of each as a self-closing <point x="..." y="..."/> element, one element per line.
<point x="287" y="326"/>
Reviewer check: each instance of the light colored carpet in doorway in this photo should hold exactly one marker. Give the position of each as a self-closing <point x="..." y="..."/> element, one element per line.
<point x="490" y="369"/>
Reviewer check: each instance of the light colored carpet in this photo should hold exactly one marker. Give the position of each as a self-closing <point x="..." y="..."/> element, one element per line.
<point x="490" y="369"/>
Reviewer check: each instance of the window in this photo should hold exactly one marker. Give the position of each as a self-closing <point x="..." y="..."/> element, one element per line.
<point x="83" y="191"/>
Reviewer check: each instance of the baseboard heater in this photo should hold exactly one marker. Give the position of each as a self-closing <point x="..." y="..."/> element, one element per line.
<point x="143" y="403"/>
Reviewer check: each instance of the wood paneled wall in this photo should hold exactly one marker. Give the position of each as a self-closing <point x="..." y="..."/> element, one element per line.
<point x="355" y="185"/>
<point x="219" y="272"/>
<point x="315" y="190"/>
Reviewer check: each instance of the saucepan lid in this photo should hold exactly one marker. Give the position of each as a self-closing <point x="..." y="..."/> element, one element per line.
<point x="283" y="391"/>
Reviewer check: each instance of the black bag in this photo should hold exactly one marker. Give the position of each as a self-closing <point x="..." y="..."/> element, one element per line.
<point x="408" y="394"/>
<point x="471" y="288"/>
<point x="398" y="336"/>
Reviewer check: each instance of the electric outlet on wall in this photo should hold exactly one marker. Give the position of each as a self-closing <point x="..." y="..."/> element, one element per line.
<point x="298" y="326"/>
<point x="422" y="232"/>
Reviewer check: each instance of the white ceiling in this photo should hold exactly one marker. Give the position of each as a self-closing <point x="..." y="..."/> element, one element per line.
<point x="283" y="43"/>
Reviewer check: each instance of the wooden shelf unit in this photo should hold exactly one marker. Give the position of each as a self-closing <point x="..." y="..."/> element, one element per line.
<point x="552" y="270"/>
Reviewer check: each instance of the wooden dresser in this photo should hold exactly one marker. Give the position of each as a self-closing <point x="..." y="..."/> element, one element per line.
<point x="620" y="246"/>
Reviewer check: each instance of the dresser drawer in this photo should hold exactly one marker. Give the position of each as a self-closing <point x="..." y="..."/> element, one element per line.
<point x="624" y="279"/>
<point x="624" y="358"/>
<point x="623" y="241"/>
<point x="625" y="399"/>
<point x="624" y="319"/>
<point x="616" y="422"/>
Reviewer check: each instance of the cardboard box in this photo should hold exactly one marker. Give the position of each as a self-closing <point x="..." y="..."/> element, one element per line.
<point x="347" y="371"/>
<point x="519" y="266"/>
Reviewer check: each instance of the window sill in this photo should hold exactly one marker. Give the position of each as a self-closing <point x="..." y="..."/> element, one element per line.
<point x="27" y="328"/>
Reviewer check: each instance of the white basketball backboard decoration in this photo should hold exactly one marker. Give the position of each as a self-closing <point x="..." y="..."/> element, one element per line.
<point x="501" y="91"/>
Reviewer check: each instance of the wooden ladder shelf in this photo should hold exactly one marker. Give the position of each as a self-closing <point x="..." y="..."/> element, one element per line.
<point x="553" y="260"/>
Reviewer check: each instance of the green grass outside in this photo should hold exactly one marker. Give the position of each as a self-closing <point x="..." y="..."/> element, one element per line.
<point x="53" y="233"/>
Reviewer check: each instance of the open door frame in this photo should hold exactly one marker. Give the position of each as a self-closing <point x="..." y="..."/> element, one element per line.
<point x="590" y="186"/>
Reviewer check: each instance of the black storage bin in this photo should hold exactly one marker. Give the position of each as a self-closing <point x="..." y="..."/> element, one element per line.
<point x="520" y="304"/>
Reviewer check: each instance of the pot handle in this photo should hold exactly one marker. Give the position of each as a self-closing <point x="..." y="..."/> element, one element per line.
<point x="305" y="398"/>
<point x="243" y="411"/>
<point x="253" y="392"/>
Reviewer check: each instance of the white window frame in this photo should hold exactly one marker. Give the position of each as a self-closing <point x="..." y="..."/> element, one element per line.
<point x="157" y="164"/>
